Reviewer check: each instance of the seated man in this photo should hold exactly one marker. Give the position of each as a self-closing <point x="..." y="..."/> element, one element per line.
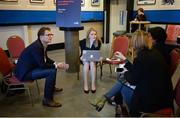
<point x="34" y="64"/>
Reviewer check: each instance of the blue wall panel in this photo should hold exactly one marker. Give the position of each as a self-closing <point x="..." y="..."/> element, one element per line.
<point x="22" y="17"/>
<point x="16" y="17"/>
<point x="92" y="16"/>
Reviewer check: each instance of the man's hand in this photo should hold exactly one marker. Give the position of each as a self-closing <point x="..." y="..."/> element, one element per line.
<point x="63" y="66"/>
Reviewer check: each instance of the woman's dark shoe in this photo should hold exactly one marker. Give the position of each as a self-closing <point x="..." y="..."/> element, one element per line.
<point x="86" y="91"/>
<point x="51" y="103"/>
<point x="93" y="91"/>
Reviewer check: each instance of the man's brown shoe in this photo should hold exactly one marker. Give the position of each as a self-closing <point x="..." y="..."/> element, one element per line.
<point x="58" y="89"/>
<point x="51" y="103"/>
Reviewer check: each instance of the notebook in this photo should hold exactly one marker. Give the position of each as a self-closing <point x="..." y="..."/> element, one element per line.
<point x="91" y="55"/>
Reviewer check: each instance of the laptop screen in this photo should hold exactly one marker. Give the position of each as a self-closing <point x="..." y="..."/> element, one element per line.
<point x="91" y="55"/>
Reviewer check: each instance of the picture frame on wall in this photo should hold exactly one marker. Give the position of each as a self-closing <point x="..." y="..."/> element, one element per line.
<point x="146" y="2"/>
<point x="95" y="2"/>
<point x="37" y="1"/>
<point x="82" y="2"/>
<point x="9" y="0"/>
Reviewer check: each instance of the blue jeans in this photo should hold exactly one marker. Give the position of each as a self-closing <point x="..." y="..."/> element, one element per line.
<point x="121" y="89"/>
<point x="50" y="76"/>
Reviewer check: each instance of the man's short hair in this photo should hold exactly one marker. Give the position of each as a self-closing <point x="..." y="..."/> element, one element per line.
<point x="42" y="31"/>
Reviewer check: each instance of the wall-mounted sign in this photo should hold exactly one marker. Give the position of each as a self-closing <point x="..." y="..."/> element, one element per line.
<point x="68" y="13"/>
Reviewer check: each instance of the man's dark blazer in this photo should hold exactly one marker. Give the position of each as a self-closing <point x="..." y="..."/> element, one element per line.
<point x="31" y="58"/>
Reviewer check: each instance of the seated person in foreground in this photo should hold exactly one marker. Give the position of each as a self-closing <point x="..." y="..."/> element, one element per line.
<point x="149" y="74"/>
<point x="34" y="64"/>
<point x="158" y="36"/>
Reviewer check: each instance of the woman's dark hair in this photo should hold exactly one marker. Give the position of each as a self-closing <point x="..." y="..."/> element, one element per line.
<point x="158" y="34"/>
<point x="42" y="31"/>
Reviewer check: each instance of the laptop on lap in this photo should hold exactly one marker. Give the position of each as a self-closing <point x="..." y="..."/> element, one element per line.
<point x="91" y="55"/>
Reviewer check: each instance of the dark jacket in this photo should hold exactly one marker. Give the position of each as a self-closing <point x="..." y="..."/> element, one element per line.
<point x="84" y="47"/>
<point x="165" y="51"/>
<point x="153" y="91"/>
<point x="31" y="58"/>
<point x="140" y="17"/>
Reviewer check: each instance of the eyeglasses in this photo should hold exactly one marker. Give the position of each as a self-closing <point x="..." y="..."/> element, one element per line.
<point x="49" y="34"/>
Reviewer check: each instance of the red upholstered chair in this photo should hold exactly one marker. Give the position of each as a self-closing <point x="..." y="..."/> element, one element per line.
<point x="175" y="56"/>
<point x="172" y="32"/>
<point x="15" y="45"/>
<point x="9" y="80"/>
<point x="177" y="99"/>
<point x="121" y="44"/>
<point x="177" y="93"/>
<point x="166" y="112"/>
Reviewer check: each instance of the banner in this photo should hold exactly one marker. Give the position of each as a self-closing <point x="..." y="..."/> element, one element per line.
<point x="68" y="13"/>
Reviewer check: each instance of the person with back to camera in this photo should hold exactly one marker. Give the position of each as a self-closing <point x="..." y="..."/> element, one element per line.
<point x="34" y="64"/>
<point x="149" y="74"/>
<point x="92" y="42"/>
<point x="140" y="16"/>
<point x="158" y="36"/>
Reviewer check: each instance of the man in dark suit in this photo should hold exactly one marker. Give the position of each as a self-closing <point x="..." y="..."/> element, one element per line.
<point x="34" y="64"/>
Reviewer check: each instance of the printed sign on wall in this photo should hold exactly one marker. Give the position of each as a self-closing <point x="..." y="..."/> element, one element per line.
<point x="68" y="13"/>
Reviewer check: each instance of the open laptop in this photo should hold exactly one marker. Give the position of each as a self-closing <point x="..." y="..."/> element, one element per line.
<point x="91" y="55"/>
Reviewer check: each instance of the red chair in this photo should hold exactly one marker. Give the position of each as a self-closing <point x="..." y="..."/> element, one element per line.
<point x="175" y="56"/>
<point x="10" y="82"/>
<point x="121" y="44"/>
<point x="177" y="99"/>
<point x="177" y="93"/>
<point x="172" y="32"/>
<point x="15" y="45"/>
<point x="166" y="112"/>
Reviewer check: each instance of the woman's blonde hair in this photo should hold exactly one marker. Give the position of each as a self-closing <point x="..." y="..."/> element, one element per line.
<point x="87" y="38"/>
<point x="140" y="40"/>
